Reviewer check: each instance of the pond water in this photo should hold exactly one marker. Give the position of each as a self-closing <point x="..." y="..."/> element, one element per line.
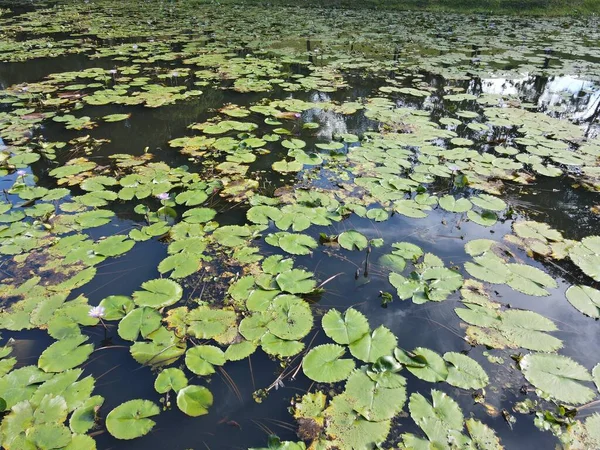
<point x="348" y="229"/>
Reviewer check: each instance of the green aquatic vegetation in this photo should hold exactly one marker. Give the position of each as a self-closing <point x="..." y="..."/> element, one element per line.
<point x="431" y="281"/>
<point x="442" y="421"/>
<point x="116" y="117"/>
<point x="132" y="419"/>
<point x="293" y="243"/>
<point x="454" y="368"/>
<point x="194" y="400"/>
<point x="539" y="238"/>
<point x="557" y="377"/>
<point x="586" y="299"/>
<point x="584" y="433"/>
<point x="586" y="255"/>
<point x="347" y="328"/>
<point x="352" y="240"/>
<point x="510" y="328"/>
<point x="490" y="267"/>
<point x="325" y="364"/>
<point x="430" y="128"/>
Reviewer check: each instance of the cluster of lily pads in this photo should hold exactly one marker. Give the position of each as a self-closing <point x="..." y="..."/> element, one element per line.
<point x="424" y="148"/>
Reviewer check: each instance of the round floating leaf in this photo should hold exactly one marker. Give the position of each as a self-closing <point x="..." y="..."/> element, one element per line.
<point x="353" y="240"/>
<point x="276" y="264"/>
<point x="449" y="203"/>
<point x="407" y="250"/>
<point x="199" y="215"/>
<point x="181" y="264"/>
<point x="207" y="323"/>
<point x="393" y="262"/>
<point x="240" y="351"/>
<point x="192" y="198"/>
<point x="116" y="117"/>
<point x="52" y="408"/>
<point x="296" y="244"/>
<point x="47" y="436"/>
<point x="558" y="377"/>
<point x="349" y="430"/>
<point x="158" y="293"/>
<point x="378" y="214"/>
<point x="347" y="328"/>
<point x="530" y="280"/>
<point x="484" y="218"/>
<point x="489" y="202"/>
<point x="296" y="281"/>
<point x="410" y="208"/>
<point x="275" y="346"/>
<point x="170" y="379"/>
<point x="372" y="346"/>
<point x="586" y="255"/>
<point x="373" y="401"/>
<point x="131" y="419"/>
<point x="292" y="318"/>
<point x="140" y="321"/>
<point x="464" y="372"/>
<point x="324" y="364"/>
<point x="114" y="245"/>
<point x="443" y="409"/>
<point x="84" y="417"/>
<point x="477" y="247"/>
<point x="530" y="229"/>
<point x="65" y="354"/>
<point x="194" y="400"/>
<point x="116" y="307"/>
<point x="586" y="299"/>
<point x="262" y="214"/>
<point x="202" y="359"/>
<point x="435" y="368"/>
<point x="490" y="268"/>
<point x="232" y="235"/>
<point x="284" y="166"/>
<point x="483" y="437"/>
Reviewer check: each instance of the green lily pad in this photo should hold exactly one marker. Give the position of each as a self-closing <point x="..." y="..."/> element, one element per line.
<point x="139" y="322"/>
<point x="84" y="417"/>
<point x="132" y="419"/>
<point x="296" y="244"/>
<point x="352" y="240"/>
<point x="324" y="364"/>
<point x="465" y="372"/>
<point x="586" y="255"/>
<point x="449" y="203"/>
<point x="372" y="346"/>
<point x="65" y="354"/>
<point x="558" y="377"/>
<point x="347" y="328"/>
<point x="296" y="281"/>
<point x="116" y="307"/>
<point x="170" y="379"/>
<point x="586" y="299"/>
<point x="194" y="400"/>
<point x="158" y="293"/>
<point x="202" y="359"/>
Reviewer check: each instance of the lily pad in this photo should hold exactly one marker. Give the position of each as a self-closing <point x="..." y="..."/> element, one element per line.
<point x="346" y="328"/>
<point x="324" y="363"/>
<point x="352" y="240"/>
<point x="131" y="419"/>
<point x="558" y="377"/>
<point x="158" y="293"/>
<point x="586" y="299"/>
<point x="194" y="400"/>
